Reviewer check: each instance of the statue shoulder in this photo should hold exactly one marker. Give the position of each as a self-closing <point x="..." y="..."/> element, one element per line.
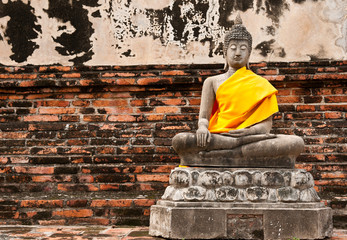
<point x="215" y="81"/>
<point x="217" y="78"/>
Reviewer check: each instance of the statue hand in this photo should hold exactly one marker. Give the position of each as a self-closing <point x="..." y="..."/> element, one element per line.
<point x="203" y="136"/>
<point x="239" y="132"/>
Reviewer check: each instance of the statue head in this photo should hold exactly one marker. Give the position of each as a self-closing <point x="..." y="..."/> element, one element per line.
<point x="237" y="34"/>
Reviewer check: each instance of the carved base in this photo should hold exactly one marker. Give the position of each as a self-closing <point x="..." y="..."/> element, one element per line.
<point x="217" y="220"/>
<point x="235" y="185"/>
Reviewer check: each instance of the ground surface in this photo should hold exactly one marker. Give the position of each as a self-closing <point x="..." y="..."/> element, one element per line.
<point x="91" y="233"/>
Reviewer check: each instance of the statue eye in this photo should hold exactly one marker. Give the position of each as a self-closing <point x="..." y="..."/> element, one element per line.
<point x="233" y="47"/>
<point x="243" y="47"/>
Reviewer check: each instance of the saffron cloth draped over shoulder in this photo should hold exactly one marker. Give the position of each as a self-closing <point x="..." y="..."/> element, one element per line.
<point x="242" y="100"/>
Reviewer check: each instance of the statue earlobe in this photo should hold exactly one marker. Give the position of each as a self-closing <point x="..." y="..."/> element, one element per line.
<point x="226" y="65"/>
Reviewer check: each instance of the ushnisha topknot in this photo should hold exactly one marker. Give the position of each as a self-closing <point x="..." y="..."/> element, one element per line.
<point x="237" y="32"/>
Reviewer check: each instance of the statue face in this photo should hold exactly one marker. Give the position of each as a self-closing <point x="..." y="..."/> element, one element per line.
<point x="238" y="53"/>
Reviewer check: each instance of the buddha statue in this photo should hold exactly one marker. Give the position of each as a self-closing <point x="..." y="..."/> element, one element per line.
<point x="235" y="116"/>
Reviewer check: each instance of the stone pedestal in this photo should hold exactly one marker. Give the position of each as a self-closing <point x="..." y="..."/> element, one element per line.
<point x="207" y="220"/>
<point x="228" y="203"/>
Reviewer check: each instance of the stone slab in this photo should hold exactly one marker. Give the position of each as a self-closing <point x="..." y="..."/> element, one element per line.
<point x="206" y="220"/>
<point x="270" y="162"/>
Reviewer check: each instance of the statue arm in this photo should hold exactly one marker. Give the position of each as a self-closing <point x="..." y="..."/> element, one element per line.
<point x="207" y="100"/>
<point x="262" y="127"/>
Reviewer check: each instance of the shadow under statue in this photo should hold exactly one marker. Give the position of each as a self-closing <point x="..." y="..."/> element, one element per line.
<point x="236" y="179"/>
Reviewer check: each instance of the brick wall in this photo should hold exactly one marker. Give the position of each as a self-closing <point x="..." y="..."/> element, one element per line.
<point x="91" y="145"/>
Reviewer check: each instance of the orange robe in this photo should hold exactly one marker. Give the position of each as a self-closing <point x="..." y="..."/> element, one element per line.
<point x="242" y="100"/>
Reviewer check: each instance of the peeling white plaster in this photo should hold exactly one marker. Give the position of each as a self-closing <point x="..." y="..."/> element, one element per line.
<point x="132" y="34"/>
<point x="5" y="48"/>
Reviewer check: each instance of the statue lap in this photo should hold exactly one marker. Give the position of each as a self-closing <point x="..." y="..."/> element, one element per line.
<point x="262" y="150"/>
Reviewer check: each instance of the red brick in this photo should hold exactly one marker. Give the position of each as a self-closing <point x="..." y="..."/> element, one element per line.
<point x="60" y="222"/>
<point x="34" y="170"/>
<point x="71" y="75"/>
<point x="313" y="99"/>
<point x="283" y="92"/>
<point x="81" y="103"/>
<point x="105" y="150"/>
<point x="322" y="91"/>
<point x="13" y="135"/>
<point x="18" y="76"/>
<point x="4" y="160"/>
<point x="260" y="64"/>
<point x="86" y="179"/>
<point x="119" y="74"/>
<point x="80" y="213"/>
<point x="335" y="76"/>
<point x="109" y="103"/>
<point x="326" y="69"/>
<point x="77" y="150"/>
<point x="52" y="75"/>
<point x="121" y="118"/>
<point x="43" y="178"/>
<point x="52" y="103"/>
<point x="77" y="203"/>
<point x="305" y="108"/>
<point x="174" y="101"/>
<point x="154" y="117"/>
<point x="331" y="167"/>
<point x="60" y="68"/>
<point x="335" y="99"/>
<point x="333" y="107"/>
<point x="87" y="96"/>
<point x="41" y="203"/>
<point x="109" y="187"/>
<point x="77" y="142"/>
<point x="116" y="110"/>
<point x="267" y="71"/>
<point x="125" y="81"/>
<point x="112" y="203"/>
<point x="77" y="187"/>
<point x="144" y="202"/>
<point x="38" y="96"/>
<point x="333" y="115"/>
<point x="94" y="118"/>
<point x="175" y="73"/>
<point x="70" y="118"/>
<point x="282" y="99"/>
<point x="334" y="175"/>
<point x="150" y="81"/>
<point x="15" y="97"/>
<point x="19" y="160"/>
<point x="275" y="78"/>
<point x="167" y="110"/>
<point x="152" y="178"/>
<point x="307" y="167"/>
<point x="138" y="102"/>
<point x="57" y="110"/>
<point x="146" y="187"/>
<point x="5" y="170"/>
<point x="301" y="91"/>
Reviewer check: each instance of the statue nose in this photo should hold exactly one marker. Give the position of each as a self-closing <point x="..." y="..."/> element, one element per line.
<point x="238" y="52"/>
